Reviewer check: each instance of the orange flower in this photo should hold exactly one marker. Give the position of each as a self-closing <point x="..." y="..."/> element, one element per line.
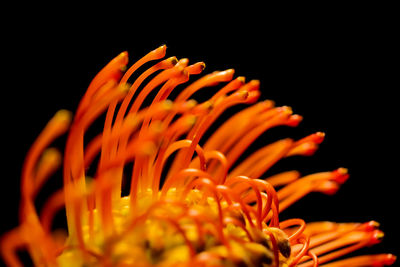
<point x="190" y="200"/>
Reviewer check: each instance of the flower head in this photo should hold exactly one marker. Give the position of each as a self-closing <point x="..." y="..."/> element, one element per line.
<point x="156" y="188"/>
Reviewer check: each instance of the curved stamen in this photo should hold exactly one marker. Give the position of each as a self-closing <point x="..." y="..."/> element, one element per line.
<point x="214" y="215"/>
<point x="305" y="241"/>
<point x="291" y="222"/>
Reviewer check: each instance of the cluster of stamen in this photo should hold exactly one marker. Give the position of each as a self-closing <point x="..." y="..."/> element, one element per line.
<point x="189" y="200"/>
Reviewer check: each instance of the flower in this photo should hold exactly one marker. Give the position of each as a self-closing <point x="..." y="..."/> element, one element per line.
<point x="160" y="187"/>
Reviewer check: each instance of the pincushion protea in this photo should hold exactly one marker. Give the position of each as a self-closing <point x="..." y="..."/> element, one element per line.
<point x="190" y="202"/>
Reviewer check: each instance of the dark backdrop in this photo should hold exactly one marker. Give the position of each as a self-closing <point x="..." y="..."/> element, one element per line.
<point x="334" y="68"/>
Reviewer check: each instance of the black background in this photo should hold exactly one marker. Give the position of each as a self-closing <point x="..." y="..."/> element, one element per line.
<point x="335" y="66"/>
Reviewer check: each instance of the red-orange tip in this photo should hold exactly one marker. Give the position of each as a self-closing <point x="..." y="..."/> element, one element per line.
<point x="294" y="120"/>
<point x="63" y="116"/>
<point x="160" y="52"/>
<point x="123" y="58"/>
<point x="376" y="237"/>
<point x="341" y="175"/>
<point x="227" y="74"/>
<point x="370" y="226"/>
<point x="319" y="137"/>
<point x="389" y="259"/>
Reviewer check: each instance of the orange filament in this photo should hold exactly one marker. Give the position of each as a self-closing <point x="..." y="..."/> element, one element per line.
<point x="112" y="71"/>
<point x="215" y="154"/>
<point x="315" y="182"/>
<point x="209" y="210"/>
<point x="274" y="246"/>
<point x="378" y="260"/>
<point x="314" y="258"/>
<point x="259" y="162"/>
<point x="291" y="222"/>
<point x="283" y="178"/>
<point x="47" y="165"/>
<point x="305" y="241"/>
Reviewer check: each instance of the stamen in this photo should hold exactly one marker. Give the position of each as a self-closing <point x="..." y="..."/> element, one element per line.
<point x="112" y="71"/>
<point x="48" y="164"/>
<point x="316" y="138"/>
<point x="186" y="143"/>
<point x="378" y="260"/>
<point x="183" y="159"/>
<point x="282" y="117"/>
<point x="53" y="204"/>
<point x="55" y="127"/>
<point x="214" y="154"/>
<point x="110" y="113"/>
<point x="238" y="121"/>
<point x="153" y="55"/>
<point x="165" y="64"/>
<point x="208" y="80"/>
<point x="260" y="161"/>
<point x="291" y="222"/>
<point x="209" y="184"/>
<point x="10" y="242"/>
<point x="283" y="178"/>
<point x="230" y="196"/>
<point x="275" y="248"/>
<point x="177" y="178"/>
<point x="156" y="81"/>
<point x="314" y="182"/>
<point x="231" y="86"/>
<point x="314" y="259"/>
<point x="181" y="126"/>
<point x="346" y="244"/>
<point x="303" y="149"/>
<point x="170" y="85"/>
<point x="255" y="184"/>
<point x="305" y="241"/>
<point x="171" y="149"/>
